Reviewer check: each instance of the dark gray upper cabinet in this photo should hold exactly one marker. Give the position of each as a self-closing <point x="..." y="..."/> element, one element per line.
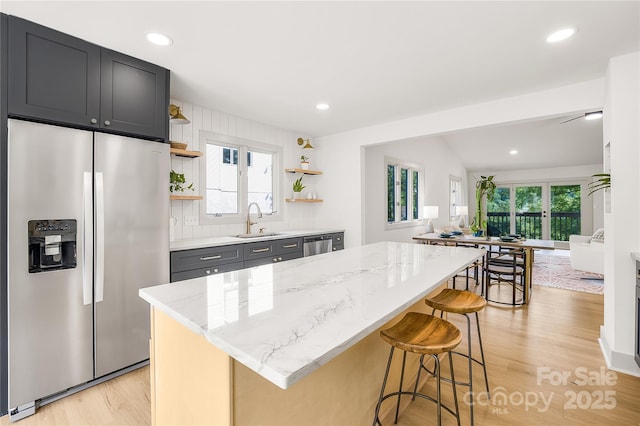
<point x="58" y="78"/>
<point x="52" y="75"/>
<point x="133" y="95"/>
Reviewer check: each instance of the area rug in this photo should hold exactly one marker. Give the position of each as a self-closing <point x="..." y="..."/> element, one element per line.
<point x="556" y="271"/>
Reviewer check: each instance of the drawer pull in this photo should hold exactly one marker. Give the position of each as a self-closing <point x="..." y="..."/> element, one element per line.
<point x="211" y="257"/>
<point x="290" y="246"/>
<point x="262" y="250"/>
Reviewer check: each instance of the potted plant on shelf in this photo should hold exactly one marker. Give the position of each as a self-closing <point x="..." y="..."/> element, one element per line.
<point x="304" y="162"/>
<point x="298" y="187"/>
<point x="484" y="187"/>
<point x="176" y="182"/>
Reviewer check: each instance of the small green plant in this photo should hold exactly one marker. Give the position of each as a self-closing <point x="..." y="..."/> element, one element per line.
<point x="297" y="185"/>
<point x="603" y="182"/>
<point x="304" y="159"/>
<point x="176" y="182"/>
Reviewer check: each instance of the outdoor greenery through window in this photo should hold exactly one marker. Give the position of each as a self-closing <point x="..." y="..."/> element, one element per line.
<point x="237" y="175"/>
<point x="403" y="192"/>
<point x="529" y="212"/>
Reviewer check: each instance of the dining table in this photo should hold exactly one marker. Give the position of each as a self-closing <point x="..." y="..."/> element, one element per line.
<point x="529" y="245"/>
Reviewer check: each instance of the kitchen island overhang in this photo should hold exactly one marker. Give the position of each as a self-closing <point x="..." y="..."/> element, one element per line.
<point x="286" y="320"/>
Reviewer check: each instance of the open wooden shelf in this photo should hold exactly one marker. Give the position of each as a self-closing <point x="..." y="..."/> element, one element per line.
<point x="185" y="197"/>
<point x="306" y="172"/>
<point x="302" y="200"/>
<point x="185" y="153"/>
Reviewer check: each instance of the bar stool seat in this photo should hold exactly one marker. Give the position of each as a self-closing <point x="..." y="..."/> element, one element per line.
<point x="425" y="335"/>
<point x="464" y="303"/>
<point x="456" y="301"/>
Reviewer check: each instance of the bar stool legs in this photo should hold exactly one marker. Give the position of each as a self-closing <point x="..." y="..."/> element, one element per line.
<point x="464" y="303"/>
<point x="425" y="335"/>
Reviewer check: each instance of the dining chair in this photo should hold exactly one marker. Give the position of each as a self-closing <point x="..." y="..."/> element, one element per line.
<point x="505" y="275"/>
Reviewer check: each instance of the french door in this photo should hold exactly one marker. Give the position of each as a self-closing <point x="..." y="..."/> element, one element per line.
<point x="548" y="211"/>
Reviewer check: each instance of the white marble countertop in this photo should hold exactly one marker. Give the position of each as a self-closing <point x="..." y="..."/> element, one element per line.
<point x="285" y="320"/>
<point x="194" y="243"/>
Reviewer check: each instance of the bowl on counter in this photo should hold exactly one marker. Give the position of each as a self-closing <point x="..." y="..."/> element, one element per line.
<point x="445" y="235"/>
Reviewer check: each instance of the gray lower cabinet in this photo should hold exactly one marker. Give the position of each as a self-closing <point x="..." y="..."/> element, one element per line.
<point x="186" y="264"/>
<point x="264" y="252"/>
<point x="337" y="242"/>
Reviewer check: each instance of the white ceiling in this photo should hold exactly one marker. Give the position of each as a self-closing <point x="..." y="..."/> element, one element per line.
<point x="372" y="61"/>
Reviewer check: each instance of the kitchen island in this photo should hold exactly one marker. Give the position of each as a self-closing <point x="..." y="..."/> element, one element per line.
<point x="289" y="343"/>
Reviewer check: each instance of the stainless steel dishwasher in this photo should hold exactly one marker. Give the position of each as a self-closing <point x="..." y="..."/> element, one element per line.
<point x="317" y="244"/>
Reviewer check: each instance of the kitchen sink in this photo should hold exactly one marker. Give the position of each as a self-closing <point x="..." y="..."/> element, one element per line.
<point x="266" y="234"/>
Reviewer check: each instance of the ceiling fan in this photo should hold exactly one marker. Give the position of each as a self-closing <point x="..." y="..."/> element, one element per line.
<point x="593" y="115"/>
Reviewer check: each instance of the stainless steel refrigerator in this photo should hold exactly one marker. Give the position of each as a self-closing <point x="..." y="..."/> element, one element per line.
<point x="87" y="227"/>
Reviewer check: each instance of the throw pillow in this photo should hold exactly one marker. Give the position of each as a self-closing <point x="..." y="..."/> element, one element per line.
<point x="598" y="236"/>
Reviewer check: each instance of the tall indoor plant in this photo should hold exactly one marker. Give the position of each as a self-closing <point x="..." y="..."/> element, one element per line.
<point x="484" y="187"/>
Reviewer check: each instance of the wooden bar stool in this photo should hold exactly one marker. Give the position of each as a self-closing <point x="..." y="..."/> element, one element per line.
<point x="426" y="335"/>
<point x="464" y="303"/>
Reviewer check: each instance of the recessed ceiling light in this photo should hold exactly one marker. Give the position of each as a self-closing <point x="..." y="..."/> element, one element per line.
<point x="593" y="115"/>
<point x="322" y="106"/>
<point x="561" y="35"/>
<point x="159" y="39"/>
<point x="513" y="152"/>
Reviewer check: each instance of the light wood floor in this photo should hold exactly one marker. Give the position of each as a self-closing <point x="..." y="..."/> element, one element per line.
<point x="558" y="331"/>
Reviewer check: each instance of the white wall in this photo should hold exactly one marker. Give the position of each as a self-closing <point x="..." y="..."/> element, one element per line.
<point x="295" y="216"/>
<point x="594" y="203"/>
<point x="342" y="154"/>
<point x="622" y="236"/>
<point x="429" y="152"/>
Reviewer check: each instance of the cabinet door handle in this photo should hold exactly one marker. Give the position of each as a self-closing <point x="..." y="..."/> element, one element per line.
<point x="94" y="121"/>
<point x="262" y="250"/>
<point x="290" y="246"/>
<point x="211" y="257"/>
<point x="107" y="123"/>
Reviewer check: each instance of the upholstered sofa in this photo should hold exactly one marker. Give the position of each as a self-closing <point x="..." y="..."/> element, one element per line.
<point x="587" y="252"/>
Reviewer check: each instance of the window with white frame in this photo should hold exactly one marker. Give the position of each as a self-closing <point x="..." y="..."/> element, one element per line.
<point x="455" y="196"/>
<point x="404" y="192"/>
<point x="238" y="172"/>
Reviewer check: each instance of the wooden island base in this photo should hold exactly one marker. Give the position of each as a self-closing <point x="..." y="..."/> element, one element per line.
<point x="193" y="382"/>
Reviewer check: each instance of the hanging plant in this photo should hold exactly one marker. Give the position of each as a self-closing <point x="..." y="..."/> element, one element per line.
<point x="602" y="181"/>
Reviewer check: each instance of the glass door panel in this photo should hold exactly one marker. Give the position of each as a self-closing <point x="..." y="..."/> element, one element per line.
<point x="565" y="211"/>
<point x="529" y="211"/>
<point x="499" y="212"/>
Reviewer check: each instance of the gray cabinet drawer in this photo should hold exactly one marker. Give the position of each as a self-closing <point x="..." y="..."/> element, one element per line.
<point x="288" y="246"/>
<point x="258" y="250"/>
<point x="186" y="260"/>
<point x="203" y="272"/>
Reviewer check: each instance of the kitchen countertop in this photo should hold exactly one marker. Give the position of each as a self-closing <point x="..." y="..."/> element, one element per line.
<point x="195" y="243"/>
<point x="285" y="320"/>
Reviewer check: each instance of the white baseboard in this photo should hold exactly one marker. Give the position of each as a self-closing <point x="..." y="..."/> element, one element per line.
<point x="617" y="361"/>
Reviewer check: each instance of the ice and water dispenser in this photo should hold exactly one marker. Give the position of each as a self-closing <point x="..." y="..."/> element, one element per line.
<point x="52" y="245"/>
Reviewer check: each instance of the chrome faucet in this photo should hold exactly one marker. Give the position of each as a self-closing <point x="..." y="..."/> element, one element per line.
<point x="249" y="223"/>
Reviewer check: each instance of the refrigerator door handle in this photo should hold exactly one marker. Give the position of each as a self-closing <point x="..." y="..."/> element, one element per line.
<point x="99" y="237"/>
<point x="87" y="233"/>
